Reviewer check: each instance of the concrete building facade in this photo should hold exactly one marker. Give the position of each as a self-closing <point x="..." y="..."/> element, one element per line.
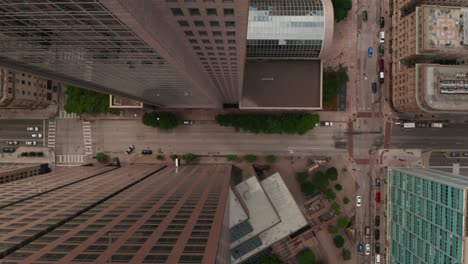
<point x="426" y="221"/>
<point x="14" y="172"/>
<point x="132" y="214"/>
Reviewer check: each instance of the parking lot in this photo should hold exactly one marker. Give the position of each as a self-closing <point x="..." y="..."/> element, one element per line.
<point x="16" y="133"/>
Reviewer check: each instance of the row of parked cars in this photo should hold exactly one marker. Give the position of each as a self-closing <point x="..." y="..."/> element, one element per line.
<point x="131" y="148"/>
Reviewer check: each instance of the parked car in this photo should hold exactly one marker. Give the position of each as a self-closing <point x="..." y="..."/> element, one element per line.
<point x="9" y="149"/>
<point x="381" y="77"/>
<point x="188" y="122"/>
<point x="326" y="123"/>
<point x="377" y="182"/>
<point x="377" y="234"/>
<point x="370" y="52"/>
<point x="377" y="220"/>
<point x="454" y="154"/>
<point x="116" y="162"/>
<point x="381" y="65"/>
<point x="382" y="37"/>
<point x="374" y="87"/>
<point x="147" y="152"/>
<point x="382" y="49"/>
<point x="382" y="22"/>
<point x="364" y="15"/>
<point x="32" y="128"/>
<point x="31" y="143"/>
<point x="12" y="142"/>
<point x="367" y="231"/>
<point x="377" y="197"/>
<point x="377" y="248"/>
<point x="358" y="201"/>
<point x="360" y="247"/>
<point x="130" y="149"/>
<point x="367" y="249"/>
<point x="38" y="135"/>
<point x="465" y="154"/>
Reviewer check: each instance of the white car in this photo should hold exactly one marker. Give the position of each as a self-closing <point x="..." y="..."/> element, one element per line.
<point x="358" y="201"/>
<point x="367" y="249"/>
<point x="31" y="143"/>
<point x="382" y="37"/>
<point x="32" y="129"/>
<point x="130" y="149"/>
<point x="38" y="135"/>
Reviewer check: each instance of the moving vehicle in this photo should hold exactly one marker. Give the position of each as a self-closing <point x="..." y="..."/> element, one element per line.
<point x="454" y="154"/>
<point x="147" y="152"/>
<point x="32" y="129"/>
<point x="377" y="248"/>
<point x="31" y="143"/>
<point x="367" y="232"/>
<point x="382" y="22"/>
<point x="326" y="123"/>
<point x="370" y="52"/>
<point x="382" y="49"/>
<point x="465" y="154"/>
<point x="377" y="220"/>
<point x="364" y="15"/>
<point x="12" y="142"/>
<point x="116" y="162"/>
<point x="437" y="125"/>
<point x="367" y="249"/>
<point x="38" y="135"/>
<point x="374" y="87"/>
<point x="409" y="125"/>
<point x="381" y="77"/>
<point x="188" y="122"/>
<point x="377" y="259"/>
<point x="377" y="234"/>
<point x="9" y="149"/>
<point x="382" y="37"/>
<point x="130" y="149"/>
<point x="377" y="197"/>
<point x="381" y="65"/>
<point x="358" y="201"/>
<point x="360" y="248"/>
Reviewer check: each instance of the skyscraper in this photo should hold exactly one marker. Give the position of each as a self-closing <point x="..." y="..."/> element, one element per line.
<point x="426" y="216"/>
<point x="133" y="214"/>
<point x="169" y="53"/>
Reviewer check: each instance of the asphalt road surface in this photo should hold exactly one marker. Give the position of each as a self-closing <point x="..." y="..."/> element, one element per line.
<point x="11" y="130"/>
<point x="452" y="137"/>
<point x="208" y="138"/>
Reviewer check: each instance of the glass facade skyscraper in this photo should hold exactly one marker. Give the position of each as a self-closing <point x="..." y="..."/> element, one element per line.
<point x="426" y="216"/>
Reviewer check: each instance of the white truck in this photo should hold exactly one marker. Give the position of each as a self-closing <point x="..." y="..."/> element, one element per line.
<point x="437" y="125"/>
<point x="409" y="125"/>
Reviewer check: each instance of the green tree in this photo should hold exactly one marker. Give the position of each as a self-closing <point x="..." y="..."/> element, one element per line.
<point x="101" y="157"/>
<point x="163" y="120"/>
<point x="346" y="254"/>
<point x="338" y="187"/>
<point x="159" y="157"/>
<point x="250" y="158"/>
<point x="336" y="208"/>
<point x="332" y="174"/>
<point x="24" y="154"/>
<point x="271" y="259"/>
<point x="289" y="123"/>
<point x="306" y="256"/>
<point x="329" y="194"/>
<point x="343" y="222"/>
<point x="338" y="241"/>
<point x="32" y="154"/>
<point x="341" y="8"/>
<point x="333" y="80"/>
<point x="189" y="157"/>
<point x="308" y="188"/>
<point x="86" y="101"/>
<point x="232" y="157"/>
<point x="271" y="158"/>
<point x="346" y="200"/>
<point x="302" y="176"/>
<point x="332" y="229"/>
<point x="174" y="156"/>
<point x="40" y="154"/>
<point x="320" y="180"/>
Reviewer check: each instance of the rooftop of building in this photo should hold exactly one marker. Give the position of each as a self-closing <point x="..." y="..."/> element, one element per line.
<point x="273" y="215"/>
<point x="122" y="102"/>
<point x="444" y="177"/>
<point x="282" y="85"/>
<point x="444" y="27"/>
<point x="445" y="87"/>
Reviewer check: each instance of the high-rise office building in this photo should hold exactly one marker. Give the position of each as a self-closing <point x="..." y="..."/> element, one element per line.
<point x="169" y="53"/>
<point x="426" y="216"/>
<point x="132" y="214"/>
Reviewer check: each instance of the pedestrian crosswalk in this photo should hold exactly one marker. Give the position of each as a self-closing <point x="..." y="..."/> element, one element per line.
<point x="88" y="142"/>
<point x="51" y="135"/>
<point x="64" y="114"/>
<point x="69" y="160"/>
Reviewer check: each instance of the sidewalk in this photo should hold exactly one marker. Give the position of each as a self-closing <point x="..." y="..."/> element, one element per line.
<point x="49" y="156"/>
<point x="45" y="113"/>
<point x="400" y="157"/>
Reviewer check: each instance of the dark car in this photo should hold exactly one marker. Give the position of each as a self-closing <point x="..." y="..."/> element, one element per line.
<point x="116" y="162"/>
<point x="382" y="49"/>
<point x="377" y="234"/>
<point x="377" y="197"/>
<point x="147" y="152"/>
<point x="381" y="65"/>
<point x="382" y="22"/>
<point x="374" y="87"/>
<point x="9" y="149"/>
<point x="454" y="154"/>
<point x="377" y="182"/>
<point x="377" y="220"/>
<point x="364" y="15"/>
<point x="377" y="248"/>
<point x="360" y="248"/>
